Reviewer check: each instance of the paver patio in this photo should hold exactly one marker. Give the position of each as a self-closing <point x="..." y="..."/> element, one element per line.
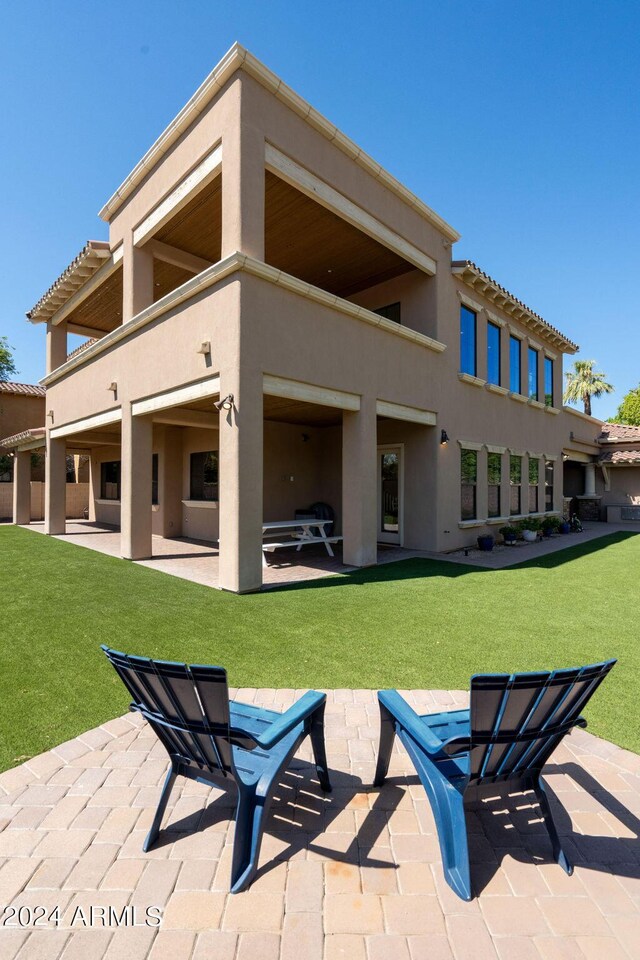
<point x="354" y="874"/>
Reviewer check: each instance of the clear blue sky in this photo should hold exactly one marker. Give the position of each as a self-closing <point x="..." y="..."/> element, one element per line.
<point x="518" y="122"/>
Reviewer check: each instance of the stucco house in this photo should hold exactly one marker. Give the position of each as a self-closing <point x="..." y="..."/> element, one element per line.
<point x="276" y="321"/>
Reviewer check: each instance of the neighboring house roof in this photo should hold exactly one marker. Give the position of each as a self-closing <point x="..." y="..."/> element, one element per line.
<point x="239" y="58"/>
<point x="81" y="348"/>
<point x="25" y="436"/>
<point x="620" y="457"/>
<point x="618" y="432"/>
<point x="81" y="268"/>
<point x="476" y="278"/>
<point x="22" y="389"/>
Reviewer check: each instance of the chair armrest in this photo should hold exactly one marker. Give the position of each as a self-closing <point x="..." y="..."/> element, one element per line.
<point x="409" y="720"/>
<point x="301" y="709"/>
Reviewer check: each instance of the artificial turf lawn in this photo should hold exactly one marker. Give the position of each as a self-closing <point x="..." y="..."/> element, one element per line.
<point x="412" y="624"/>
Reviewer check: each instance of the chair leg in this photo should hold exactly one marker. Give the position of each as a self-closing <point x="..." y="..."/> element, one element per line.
<point x="387" y="736"/>
<point x="251" y="813"/>
<point x="316" y="735"/>
<point x="152" y="836"/>
<point x="558" y="853"/>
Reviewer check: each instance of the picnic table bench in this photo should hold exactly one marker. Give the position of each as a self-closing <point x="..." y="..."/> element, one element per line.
<point x="300" y="532"/>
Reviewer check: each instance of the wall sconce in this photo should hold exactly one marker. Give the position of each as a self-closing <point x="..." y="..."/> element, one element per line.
<point x="225" y="404"/>
<point x="50" y="414"/>
<point x="444" y="438"/>
<point x="205" y="348"/>
<point x="113" y="386"/>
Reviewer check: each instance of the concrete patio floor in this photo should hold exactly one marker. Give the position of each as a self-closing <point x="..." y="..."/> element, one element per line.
<point x="354" y="874"/>
<point x="197" y="560"/>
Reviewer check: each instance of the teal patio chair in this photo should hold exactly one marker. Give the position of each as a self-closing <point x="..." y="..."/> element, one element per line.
<point x="216" y="741"/>
<point x="501" y="743"/>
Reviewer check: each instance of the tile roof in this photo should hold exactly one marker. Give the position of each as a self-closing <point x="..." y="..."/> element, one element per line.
<point x="81" y="269"/>
<point x="472" y="274"/>
<point x="35" y="433"/>
<point x="620" y="432"/>
<point x="82" y="348"/>
<point x="620" y="456"/>
<point x="24" y="389"/>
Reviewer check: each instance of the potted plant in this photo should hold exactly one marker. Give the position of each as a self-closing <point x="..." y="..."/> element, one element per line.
<point x="486" y="542"/>
<point x="529" y="528"/>
<point x="550" y="525"/>
<point x="565" y="526"/>
<point x="509" y="534"/>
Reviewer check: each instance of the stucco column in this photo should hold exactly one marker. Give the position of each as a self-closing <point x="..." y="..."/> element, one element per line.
<point x="135" y="486"/>
<point x="22" y="487"/>
<point x="137" y="279"/>
<point x="243" y="187"/>
<point x="240" y="483"/>
<point x="55" y="490"/>
<point x="589" y="479"/>
<point x="360" y="484"/>
<point x="56" y="345"/>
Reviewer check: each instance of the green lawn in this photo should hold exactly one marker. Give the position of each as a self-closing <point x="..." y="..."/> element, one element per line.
<point x="418" y="623"/>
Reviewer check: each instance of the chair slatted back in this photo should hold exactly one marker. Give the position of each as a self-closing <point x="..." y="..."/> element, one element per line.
<point x="518" y="720"/>
<point x="187" y="707"/>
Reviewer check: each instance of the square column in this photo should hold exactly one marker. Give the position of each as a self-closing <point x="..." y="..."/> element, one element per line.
<point x="22" y="487"/>
<point x="135" y="491"/>
<point x="243" y="186"/>
<point x="137" y="279"/>
<point x="360" y="484"/>
<point x="55" y="491"/>
<point x="56" y="345"/>
<point x="240" y="483"/>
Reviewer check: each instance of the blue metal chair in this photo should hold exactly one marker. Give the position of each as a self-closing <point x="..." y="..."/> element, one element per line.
<point x="504" y="740"/>
<point x="210" y="739"/>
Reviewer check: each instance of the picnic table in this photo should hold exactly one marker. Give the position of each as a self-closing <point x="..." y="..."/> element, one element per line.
<point x="301" y="531"/>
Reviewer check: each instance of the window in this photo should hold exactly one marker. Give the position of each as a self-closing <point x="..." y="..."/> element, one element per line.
<point x="493" y="353"/>
<point x="468" y="480"/>
<point x="467" y="341"/>
<point x="110" y="480"/>
<point x="534" y="478"/>
<point x="391" y="312"/>
<point x="6" y="469"/>
<point x="154" y="479"/>
<point x="515" y="382"/>
<point x="515" y="480"/>
<point x="204" y="476"/>
<point x="494" y="477"/>
<point x="533" y="374"/>
<point x="548" y="381"/>
<point x="548" y="485"/>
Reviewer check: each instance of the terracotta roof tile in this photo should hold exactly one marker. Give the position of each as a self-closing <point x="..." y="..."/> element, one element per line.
<point x="24" y="389"/>
<point x="620" y="456"/>
<point x="82" y="267"/>
<point x="35" y="433"/>
<point x="622" y="432"/>
<point x="81" y="348"/>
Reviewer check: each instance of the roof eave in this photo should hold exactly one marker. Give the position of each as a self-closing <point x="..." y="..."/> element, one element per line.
<point x="237" y="58"/>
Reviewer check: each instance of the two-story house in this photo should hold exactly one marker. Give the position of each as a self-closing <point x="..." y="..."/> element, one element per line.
<point x="275" y="321"/>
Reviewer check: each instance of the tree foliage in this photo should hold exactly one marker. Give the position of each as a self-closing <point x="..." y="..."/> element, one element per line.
<point x="583" y="383"/>
<point x="629" y="409"/>
<point x="7" y="366"/>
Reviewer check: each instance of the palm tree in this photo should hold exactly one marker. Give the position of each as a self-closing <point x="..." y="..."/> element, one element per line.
<point x="583" y="383"/>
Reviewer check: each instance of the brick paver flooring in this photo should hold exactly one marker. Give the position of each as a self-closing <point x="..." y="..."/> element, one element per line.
<point x="354" y="874"/>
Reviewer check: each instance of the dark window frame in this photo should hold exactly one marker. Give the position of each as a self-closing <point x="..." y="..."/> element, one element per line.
<point x="469" y="483"/>
<point x="470" y="315"/>
<point x="200" y="488"/>
<point x="513" y="341"/>
<point x="155" y="470"/>
<point x="548" y="382"/>
<point x="549" y="471"/>
<point x="497" y="330"/>
<point x="534" y="497"/>
<point x="494" y="459"/>
<point x="515" y="486"/>
<point x="115" y="468"/>
<point x="532" y="352"/>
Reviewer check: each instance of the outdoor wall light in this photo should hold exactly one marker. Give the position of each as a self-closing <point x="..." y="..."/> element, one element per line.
<point x="50" y="414"/>
<point x="225" y="404"/>
<point x="205" y="347"/>
<point x="113" y="386"/>
<point x="444" y="438"/>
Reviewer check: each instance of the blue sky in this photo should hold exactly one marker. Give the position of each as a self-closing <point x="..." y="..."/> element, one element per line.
<point x="518" y="122"/>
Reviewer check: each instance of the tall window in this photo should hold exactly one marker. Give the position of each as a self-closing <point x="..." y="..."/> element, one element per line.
<point x="467" y="341"/>
<point x="154" y="479"/>
<point x="533" y="374"/>
<point x="110" y="480"/>
<point x="548" y="485"/>
<point x="494" y="477"/>
<point x="548" y="381"/>
<point x="515" y="383"/>
<point x="515" y="481"/>
<point x="493" y="353"/>
<point x="534" y="479"/>
<point x="391" y="312"/>
<point x="468" y="482"/>
<point x="204" y="475"/>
